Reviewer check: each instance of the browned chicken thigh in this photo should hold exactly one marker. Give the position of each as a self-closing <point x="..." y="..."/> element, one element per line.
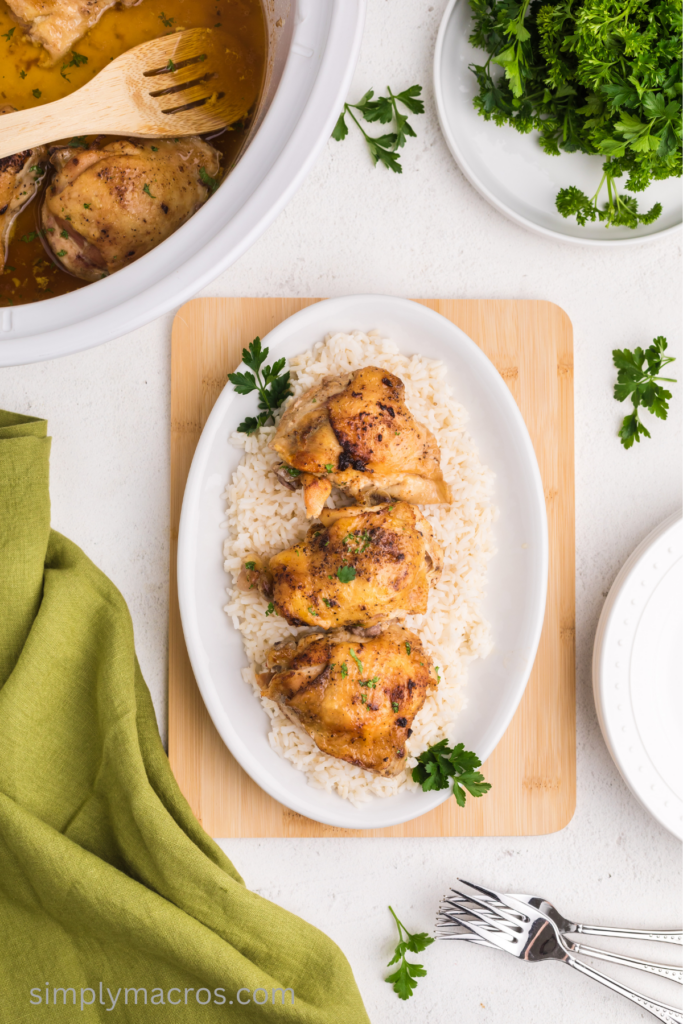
<point x="20" y="176"/>
<point x="360" y="566"/>
<point x="105" y="208"/>
<point x="57" y="24"/>
<point x="355" y="697"/>
<point x="356" y="431"/>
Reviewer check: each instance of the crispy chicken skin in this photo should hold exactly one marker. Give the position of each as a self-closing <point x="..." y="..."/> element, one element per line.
<point x="355" y="697"/>
<point x="356" y="431"/>
<point x="20" y="177"/>
<point x="390" y="547"/>
<point x="105" y="208"/>
<point x="57" y="24"/>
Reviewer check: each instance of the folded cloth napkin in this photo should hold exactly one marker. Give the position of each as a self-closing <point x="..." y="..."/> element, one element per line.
<point x="113" y="901"/>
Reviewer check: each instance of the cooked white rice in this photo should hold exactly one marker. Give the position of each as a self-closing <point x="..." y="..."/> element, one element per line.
<point x="263" y="516"/>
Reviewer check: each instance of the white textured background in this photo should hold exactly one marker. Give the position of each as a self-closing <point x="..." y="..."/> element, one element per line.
<point x="426" y="233"/>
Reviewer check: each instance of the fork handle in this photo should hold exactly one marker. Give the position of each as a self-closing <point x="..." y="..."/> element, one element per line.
<point x="669" y="1014"/>
<point x="631" y="933"/>
<point x="663" y="970"/>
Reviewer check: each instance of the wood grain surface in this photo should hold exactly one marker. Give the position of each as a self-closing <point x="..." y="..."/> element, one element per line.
<point x="533" y="769"/>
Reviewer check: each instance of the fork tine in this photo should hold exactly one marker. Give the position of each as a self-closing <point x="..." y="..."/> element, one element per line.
<point x="497" y="897"/>
<point x="458" y="907"/>
<point x="499" y="924"/>
<point x="457" y="921"/>
<point x="500" y="918"/>
<point x="500" y="939"/>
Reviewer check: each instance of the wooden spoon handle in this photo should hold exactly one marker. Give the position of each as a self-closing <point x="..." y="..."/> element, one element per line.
<point x="26" y="129"/>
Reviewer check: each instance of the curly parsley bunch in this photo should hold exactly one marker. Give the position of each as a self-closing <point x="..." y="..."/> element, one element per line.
<point x="599" y="76"/>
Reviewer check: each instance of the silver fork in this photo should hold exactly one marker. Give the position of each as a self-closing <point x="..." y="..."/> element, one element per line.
<point x="509" y="924"/>
<point x="547" y="910"/>
<point x="568" y="927"/>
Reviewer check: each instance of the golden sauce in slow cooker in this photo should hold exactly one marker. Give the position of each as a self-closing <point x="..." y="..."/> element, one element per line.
<point x="31" y="273"/>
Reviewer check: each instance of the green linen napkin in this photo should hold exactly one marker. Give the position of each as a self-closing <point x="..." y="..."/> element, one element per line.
<point x="107" y="881"/>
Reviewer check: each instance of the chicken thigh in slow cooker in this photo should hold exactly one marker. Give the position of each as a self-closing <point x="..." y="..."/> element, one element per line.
<point x="105" y="208"/>
<point x="20" y="176"/>
<point x="57" y="24"/>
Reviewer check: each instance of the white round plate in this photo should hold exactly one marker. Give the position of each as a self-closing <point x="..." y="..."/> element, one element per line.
<point x="518" y="573"/>
<point x="637" y="679"/>
<point x="511" y="170"/>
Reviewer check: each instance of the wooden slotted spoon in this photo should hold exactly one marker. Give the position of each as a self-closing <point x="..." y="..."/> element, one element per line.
<point x="185" y="83"/>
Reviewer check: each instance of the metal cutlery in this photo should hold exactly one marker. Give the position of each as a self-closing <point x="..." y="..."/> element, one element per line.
<point x="566" y="926"/>
<point x="535" y="902"/>
<point x="508" y="923"/>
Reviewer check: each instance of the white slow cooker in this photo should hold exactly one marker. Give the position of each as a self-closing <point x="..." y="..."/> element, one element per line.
<point x="312" y="55"/>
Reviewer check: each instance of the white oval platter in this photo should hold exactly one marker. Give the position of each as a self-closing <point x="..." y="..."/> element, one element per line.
<point x="518" y="573"/>
<point x="510" y="170"/>
<point x="637" y="678"/>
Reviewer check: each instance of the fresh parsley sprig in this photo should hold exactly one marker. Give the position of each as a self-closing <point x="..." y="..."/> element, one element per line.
<point x="383" y="148"/>
<point x="272" y="385"/>
<point x="403" y="979"/>
<point x="637" y="379"/>
<point x="438" y="765"/>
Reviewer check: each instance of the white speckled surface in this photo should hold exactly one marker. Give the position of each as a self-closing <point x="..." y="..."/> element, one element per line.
<point x="427" y="233"/>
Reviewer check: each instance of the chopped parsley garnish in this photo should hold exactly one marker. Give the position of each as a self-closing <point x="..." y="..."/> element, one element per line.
<point x="639" y="383"/>
<point x="344" y="670"/>
<point x="78" y="140"/>
<point x="62" y="252"/>
<point x="394" y="706"/>
<point x="408" y="648"/>
<point x="77" y="59"/>
<point x="346" y="573"/>
<point x="250" y="565"/>
<point x="8" y="35"/>
<point x="147" y="191"/>
<point x="170" y="66"/>
<point x="32" y="235"/>
<point x="383" y="148"/>
<point x="64" y="234"/>
<point x="357" y="661"/>
<point x="311" y="612"/>
<point x="155" y="149"/>
<point x="438" y="674"/>
<point x="358" y="542"/>
<point x="270" y="609"/>
<point x="207" y="180"/>
<point x="87" y="205"/>
<point x="272" y="385"/>
<point x="438" y="765"/>
<point x="22" y="74"/>
<point x="292" y="471"/>
<point x="37" y="93"/>
<point x="327" y="602"/>
<point x="329" y="467"/>
<point x="167" y="22"/>
<point x="403" y="979"/>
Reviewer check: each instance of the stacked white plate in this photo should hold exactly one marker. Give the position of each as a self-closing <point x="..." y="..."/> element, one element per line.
<point x="637" y="673"/>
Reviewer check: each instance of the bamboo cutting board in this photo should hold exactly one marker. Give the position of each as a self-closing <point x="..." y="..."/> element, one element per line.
<point x="533" y="769"/>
